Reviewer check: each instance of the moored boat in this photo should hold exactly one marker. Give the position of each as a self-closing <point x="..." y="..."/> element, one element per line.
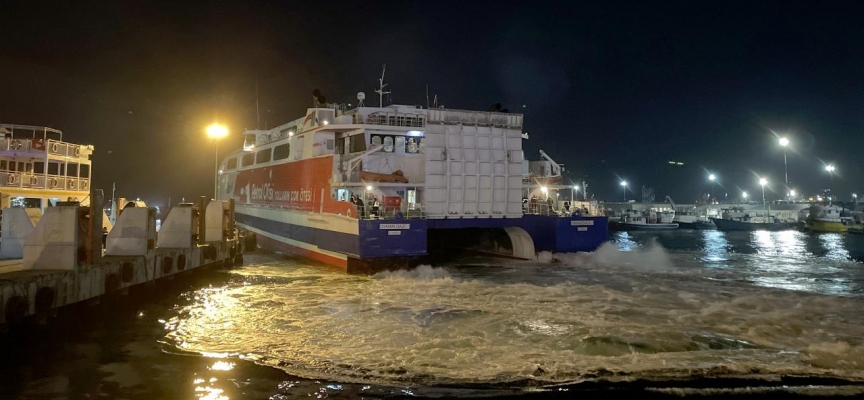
<point x="827" y="219"/>
<point x="738" y="220"/>
<point x="645" y="221"/>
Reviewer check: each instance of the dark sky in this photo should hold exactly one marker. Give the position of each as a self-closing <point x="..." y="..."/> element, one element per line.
<point x="610" y="88"/>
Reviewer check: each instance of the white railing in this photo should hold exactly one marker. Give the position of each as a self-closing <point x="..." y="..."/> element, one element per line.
<point x="27" y="180"/>
<point x="50" y="146"/>
<point x="474" y="118"/>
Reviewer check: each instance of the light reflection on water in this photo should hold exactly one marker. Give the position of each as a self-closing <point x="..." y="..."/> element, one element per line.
<point x="704" y="298"/>
<point x="820" y="263"/>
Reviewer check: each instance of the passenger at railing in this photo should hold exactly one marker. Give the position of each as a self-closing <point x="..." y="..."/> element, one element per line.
<point x="549" y="204"/>
<point x="566" y="207"/>
<point x="375" y="207"/>
<point x="361" y="208"/>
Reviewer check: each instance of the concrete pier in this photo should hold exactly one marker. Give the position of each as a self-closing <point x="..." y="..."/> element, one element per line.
<point x="63" y="260"/>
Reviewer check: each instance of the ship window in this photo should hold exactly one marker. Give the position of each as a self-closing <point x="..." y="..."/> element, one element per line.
<point x="263" y="156"/>
<point x="376" y="140"/>
<point x="400" y="144"/>
<point x="3" y="164"/>
<point x="28" y="167"/>
<point x="411" y="146"/>
<point x="248" y="159"/>
<point x="39" y="167"/>
<point x="281" y="151"/>
<point x="358" y="144"/>
<point x="53" y="168"/>
<point x="12" y="165"/>
<point x="388" y="144"/>
<point x="232" y="163"/>
<point x="72" y="170"/>
<point x="85" y="170"/>
<point x="21" y="166"/>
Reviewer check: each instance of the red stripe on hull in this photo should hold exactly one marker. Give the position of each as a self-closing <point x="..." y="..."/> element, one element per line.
<point x="267" y="242"/>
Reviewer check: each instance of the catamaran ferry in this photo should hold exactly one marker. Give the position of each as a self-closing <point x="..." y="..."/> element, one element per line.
<point x="360" y="188"/>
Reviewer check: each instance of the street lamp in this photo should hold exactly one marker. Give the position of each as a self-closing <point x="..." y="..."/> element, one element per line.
<point x="783" y="143"/>
<point x="792" y="194"/>
<point x="763" y="182"/>
<point x="215" y="132"/>
<point x="830" y="169"/>
<point x="712" y="178"/>
<point x="624" y="186"/>
<point x="744" y="195"/>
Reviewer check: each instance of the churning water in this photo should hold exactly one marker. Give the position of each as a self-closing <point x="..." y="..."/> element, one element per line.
<point x="656" y="307"/>
<point x="709" y="303"/>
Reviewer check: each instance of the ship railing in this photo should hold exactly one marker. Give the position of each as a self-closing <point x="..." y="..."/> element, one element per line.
<point x="51" y="146"/>
<point x="488" y="118"/>
<point x="28" y="180"/>
<point x="390" y="213"/>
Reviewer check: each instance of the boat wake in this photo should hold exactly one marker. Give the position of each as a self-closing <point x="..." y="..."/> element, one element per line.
<point x="608" y="315"/>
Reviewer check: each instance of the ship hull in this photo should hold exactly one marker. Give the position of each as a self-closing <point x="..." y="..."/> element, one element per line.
<point x="816" y="225"/>
<point x="703" y="225"/>
<point x="730" y="225"/>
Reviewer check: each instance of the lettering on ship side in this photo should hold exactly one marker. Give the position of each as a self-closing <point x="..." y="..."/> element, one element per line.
<point x="394" y="226"/>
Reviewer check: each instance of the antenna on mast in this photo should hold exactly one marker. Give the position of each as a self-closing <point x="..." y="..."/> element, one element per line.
<point x="381" y="86"/>
<point x="257" y="109"/>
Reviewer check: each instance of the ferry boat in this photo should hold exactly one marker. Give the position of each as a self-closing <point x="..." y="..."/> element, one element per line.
<point x="690" y="218"/>
<point x="360" y="188"/>
<point x="645" y="221"/>
<point x="736" y="219"/>
<point x="827" y="219"/>
<point x="38" y="169"/>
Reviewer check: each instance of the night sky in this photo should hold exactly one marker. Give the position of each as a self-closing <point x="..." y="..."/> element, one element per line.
<point x="609" y="89"/>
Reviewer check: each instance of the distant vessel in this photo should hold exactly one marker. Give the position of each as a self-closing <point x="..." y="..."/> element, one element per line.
<point x="736" y="219"/>
<point x="827" y="219"/>
<point x="689" y="219"/>
<point x="637" y="220"/>
<point x="38" y="169"/>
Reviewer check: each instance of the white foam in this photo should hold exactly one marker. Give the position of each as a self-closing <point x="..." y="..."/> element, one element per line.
<point x="423" y="272"/>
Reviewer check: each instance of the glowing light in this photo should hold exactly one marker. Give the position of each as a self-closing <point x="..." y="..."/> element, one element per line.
<point x="784" y="142"/>
<point x="818" y="198"/>
<point x="544" y="189"/>
<point x="792" y="193"/>
<point x="369" y="188"/>
<point x="222" y="366"/>
<point x="576" y="187"/>
<point x="290" y="133"/>
<point x="744" y="194"/>
<point x="217" y="131"/>
<point x="763" y="181"/>
<point x="712" y="177"/>
<point x="414" y="133"/>
<point x="829" y="168"/>
<point x="326" y="123"/>
<point x="623" y="183"/>
<point x="854" y="195"/>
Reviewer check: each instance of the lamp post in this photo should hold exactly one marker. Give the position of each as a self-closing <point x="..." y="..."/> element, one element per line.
<point x="830" y="169"/>
<point x="215" y="132"/>
<point x="783" y="143"/>
<point x="763" y="182"/>
<point x="624" y="186"/>
<point x="712" y="178"/>
<point x="744" y="195"/>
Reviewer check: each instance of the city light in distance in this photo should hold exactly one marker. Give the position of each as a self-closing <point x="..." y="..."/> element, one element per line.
<point x="784" y="142"/>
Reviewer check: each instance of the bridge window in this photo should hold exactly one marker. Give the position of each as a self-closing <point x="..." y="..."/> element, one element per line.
<point x="232" y="163"/>
<point x="53" y="169"/>
<point x="85" y="170"/>
<point x="248" y="159"/>
<point x="281" y="151"/>
<point x="39" y="167"/>
<point x="263" y="156"/>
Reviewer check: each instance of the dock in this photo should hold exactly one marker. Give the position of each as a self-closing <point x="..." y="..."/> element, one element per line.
<point x="65" y="258"/>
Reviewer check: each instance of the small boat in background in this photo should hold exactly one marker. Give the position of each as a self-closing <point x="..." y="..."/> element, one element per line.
<point x="736" y="219"/>
<point x="689" y="219"/>
<point x="645" y="221"/>
<point x="827" y="219"/>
